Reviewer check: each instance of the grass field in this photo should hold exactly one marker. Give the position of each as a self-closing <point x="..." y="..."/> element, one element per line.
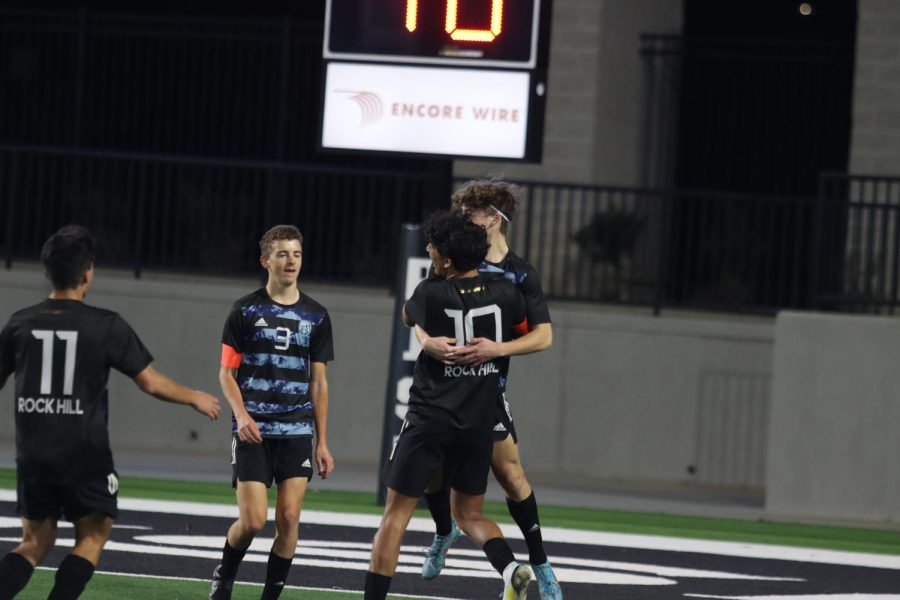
<point x="766" y="532"/>
<point x="107" y="587"/>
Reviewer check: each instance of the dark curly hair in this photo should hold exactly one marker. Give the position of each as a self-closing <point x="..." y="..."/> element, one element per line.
<point x="457" y="238"/>
<point x="67" y="255"/>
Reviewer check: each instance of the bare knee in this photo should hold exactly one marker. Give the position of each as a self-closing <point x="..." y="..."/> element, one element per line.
<point x="251" y="524"/>
<point x="287" y="520"/>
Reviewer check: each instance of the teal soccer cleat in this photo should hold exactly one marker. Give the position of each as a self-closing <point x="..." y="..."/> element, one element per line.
<point x="437" y="553"/>
<point x="547" y="584"/>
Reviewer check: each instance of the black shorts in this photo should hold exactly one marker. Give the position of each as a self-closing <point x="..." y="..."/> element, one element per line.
<point x="37" y="501"/>
<point x="503" y="425"/>
<point x="423" y="451"/>
<point x="274" y="459"/>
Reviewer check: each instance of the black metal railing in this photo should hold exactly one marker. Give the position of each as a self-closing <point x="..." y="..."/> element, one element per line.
<point x="660" y="248"/>
<point x="856" y="266"/>
<point x="204" y="216"/>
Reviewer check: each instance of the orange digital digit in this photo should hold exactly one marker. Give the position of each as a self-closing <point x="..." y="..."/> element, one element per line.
<point x="471" y="35"/>
<point x="412" y="15"/>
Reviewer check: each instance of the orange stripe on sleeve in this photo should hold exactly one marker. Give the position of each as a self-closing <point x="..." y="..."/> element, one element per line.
<point x="521" y="328"/>
<point x="231" y="358"/>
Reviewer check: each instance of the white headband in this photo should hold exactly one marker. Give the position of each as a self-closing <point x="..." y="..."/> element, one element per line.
<point x="500" y="212"/>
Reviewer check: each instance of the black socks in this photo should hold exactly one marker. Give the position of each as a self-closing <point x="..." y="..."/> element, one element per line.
<point x="377" y="586"/>
<point x="15" y="571"/>
<point x="499" y="553"/>
<point x="276" y="575"/>
<point x="525" y="514"/>
<point x="439" y="505"/>
<point x="73" y="574"/>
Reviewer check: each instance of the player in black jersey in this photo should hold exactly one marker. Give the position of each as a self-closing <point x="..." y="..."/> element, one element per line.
<point x="61" y="351"/>
<point x="492" y="204"/>
<point x="275" y="348"/>
<point x="451" y="408"/>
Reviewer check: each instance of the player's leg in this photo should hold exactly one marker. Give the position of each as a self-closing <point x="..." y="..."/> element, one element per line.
<point x="467" y="467"/>
<point x="437" y="497"/>
<point x="507" y="467"/>
<point x="292" y="467"/>
<point x="251" y="474"/>
<point x="16" y="568"/>
<point x="415" y="459"/>
<point x="75" y="571"/>
<point x="469" y="511"/>
<point x="398" y="510"/>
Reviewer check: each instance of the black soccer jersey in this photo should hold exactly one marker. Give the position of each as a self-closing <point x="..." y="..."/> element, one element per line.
<point x="272" y="346"/>
<point x="488" y="306"/>
<point x="61" y="352"/>
<point x="520" y="272"/>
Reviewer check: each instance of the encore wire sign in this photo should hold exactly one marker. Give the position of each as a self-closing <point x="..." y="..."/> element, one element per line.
<point x="455" y="78"/>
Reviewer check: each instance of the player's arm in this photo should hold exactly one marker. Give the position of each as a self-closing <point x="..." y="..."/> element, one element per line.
<point x="479" y="350"/>
<point x="440" y="347"/>
<point x="318" y="393"/>
<point x="152" y="382"/>
<point x="247" y="429"/>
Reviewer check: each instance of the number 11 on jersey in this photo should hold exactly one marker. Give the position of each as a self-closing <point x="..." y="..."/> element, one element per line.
<point x="47" y="338"/>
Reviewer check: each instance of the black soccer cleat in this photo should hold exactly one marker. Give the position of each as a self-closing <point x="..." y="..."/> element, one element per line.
<point x="221" y="587"/>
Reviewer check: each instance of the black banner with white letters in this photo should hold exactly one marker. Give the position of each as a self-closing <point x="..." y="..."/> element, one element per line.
<point x="412" y="268"/>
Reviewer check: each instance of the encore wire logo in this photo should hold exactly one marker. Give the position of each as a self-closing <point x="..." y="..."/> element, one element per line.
<point x="369" y="103"/>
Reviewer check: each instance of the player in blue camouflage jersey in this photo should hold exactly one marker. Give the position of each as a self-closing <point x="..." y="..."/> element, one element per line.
<point x="492" y="204"/>
<point x="275" y="347"/>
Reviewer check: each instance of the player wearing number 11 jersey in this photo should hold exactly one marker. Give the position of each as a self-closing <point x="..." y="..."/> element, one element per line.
<point x="61" y="351"/>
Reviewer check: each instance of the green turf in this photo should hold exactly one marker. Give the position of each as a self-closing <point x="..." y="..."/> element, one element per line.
<point x="803" y="535"/>
<point x="114" y="587"/>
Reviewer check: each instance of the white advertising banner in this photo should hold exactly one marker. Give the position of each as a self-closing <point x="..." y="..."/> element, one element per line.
<point x="452" y="111"/>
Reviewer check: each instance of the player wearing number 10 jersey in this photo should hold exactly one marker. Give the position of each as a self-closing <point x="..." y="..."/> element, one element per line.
<point x="448" y="427"/>
<point x="61" y="351"/>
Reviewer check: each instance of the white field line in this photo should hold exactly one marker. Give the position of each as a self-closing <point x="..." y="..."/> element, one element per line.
<point x="550" y="534"/>
<point x="287" y="587"/>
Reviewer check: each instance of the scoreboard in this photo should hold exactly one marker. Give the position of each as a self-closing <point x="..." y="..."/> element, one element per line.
<point x="452" y="78"/>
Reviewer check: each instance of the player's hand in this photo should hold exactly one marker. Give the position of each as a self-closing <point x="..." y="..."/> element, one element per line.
<point x="477" y="351"/>
<point x="324" y="460"/>
<point x="206" y="404"/>
<point x="442" y="348"/>
<point x="247" y="429"/>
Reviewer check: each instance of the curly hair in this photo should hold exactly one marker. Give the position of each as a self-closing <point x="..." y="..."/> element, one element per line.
<point x="457" y="238"/>
<point x="488" y="195"/>
<point x="67" y="255"/>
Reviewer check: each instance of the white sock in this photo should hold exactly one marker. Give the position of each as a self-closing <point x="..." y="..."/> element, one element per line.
<point x="508" y="572"/>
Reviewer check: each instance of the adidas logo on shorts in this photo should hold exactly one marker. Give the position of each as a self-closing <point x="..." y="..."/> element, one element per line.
<point x="499" y="427"/>
<point x="261" y="323"/>
<point x="306" y="463"/>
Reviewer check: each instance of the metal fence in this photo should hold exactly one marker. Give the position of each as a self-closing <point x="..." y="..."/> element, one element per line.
<point x="856" y="267"/>
<point x="204" y="216"/>
<point x="702" y="250"/>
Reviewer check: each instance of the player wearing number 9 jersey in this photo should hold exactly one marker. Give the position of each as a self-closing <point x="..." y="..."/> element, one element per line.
<point x="448" y="427"/>
<point x="61" y="351"/>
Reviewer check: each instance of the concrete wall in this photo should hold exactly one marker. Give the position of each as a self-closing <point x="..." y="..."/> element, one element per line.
<point x="592" y="131"/>
<point x="833" y="441"/>
<point x="875" y="143"/>
<point x="616" y="397"/>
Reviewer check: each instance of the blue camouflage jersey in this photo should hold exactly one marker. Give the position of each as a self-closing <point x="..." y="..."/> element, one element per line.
<point x="272" y="346"/>
<point x="520" y="272"/>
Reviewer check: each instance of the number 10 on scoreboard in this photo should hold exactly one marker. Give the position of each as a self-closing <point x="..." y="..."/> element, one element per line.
<point x="456" y="33"/>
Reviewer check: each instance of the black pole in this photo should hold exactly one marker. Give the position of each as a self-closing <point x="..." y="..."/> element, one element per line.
<point x="410" y="265"/>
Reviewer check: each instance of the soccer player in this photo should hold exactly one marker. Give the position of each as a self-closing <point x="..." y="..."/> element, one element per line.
<point x="451" y="408"/>
<point x="492" y="204"/>
<point x="61" y="351"/>
<point x="275" y="349"/>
